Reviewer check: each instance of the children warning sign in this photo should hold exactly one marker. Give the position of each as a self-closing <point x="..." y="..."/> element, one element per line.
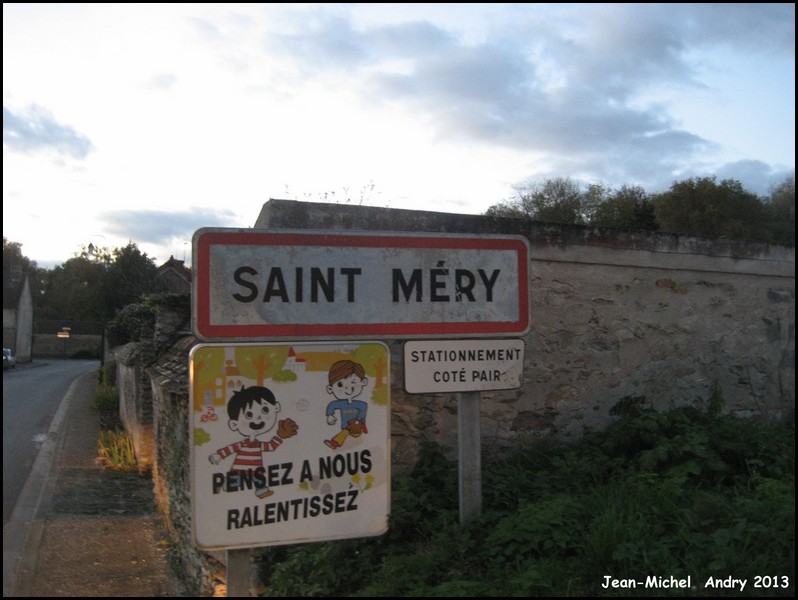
<point x="290" y="443"/>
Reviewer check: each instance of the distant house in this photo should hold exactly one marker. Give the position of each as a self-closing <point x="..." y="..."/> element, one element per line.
<point x="17" y="314"/>
<point x="174" y="276"/>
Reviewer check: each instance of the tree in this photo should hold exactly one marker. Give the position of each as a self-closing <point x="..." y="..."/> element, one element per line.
<point x="701" y="206"/>
<point x="562" y="200"/>
<point x="95" y="284"/>
<point x="781" y="212"/>
<point x="558" y="200"/>
<point x="553" y="201"/>
<point x="17" y="265"/>
<point x="628" y="207"/>
<point x="508" y="209"/>
<point x="14" y="259"/>
<point x="129" y="276"/>
<point x="73" y="291"/>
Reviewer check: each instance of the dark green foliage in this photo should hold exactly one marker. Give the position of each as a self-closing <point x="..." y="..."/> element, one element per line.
<point x="106" y="375"/>
<point x="781" y="212"/>
<point x="628" y="207"/>
<point x="105" y="399"/>
<point x="679" y="493"/>
<point x="95" y="284"/>
<point x="73" y="290"/>
<point x="701" y="206"/>
<point x="129" y="276"/>
<point x="558" y="200"/>
<point x="136" y="321"/>
<point x="698" y="206"/>
<point x="15" y="267"/>
<point x="131" y="324"/>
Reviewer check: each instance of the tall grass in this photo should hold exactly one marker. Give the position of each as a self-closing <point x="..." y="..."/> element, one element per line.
<point x="115" y="450"/>
<point x="114" y="446"/>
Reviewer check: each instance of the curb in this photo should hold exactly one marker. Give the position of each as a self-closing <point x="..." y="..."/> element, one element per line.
<point x="22" y="534"/>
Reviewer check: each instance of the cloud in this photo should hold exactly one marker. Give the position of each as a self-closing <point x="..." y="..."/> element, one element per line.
<point x="758" y="27"/>
<point x="324" y="42"/>
<point x="572" y="88"/>
<point x="163" y="81"/>
<point x="205" y="29"/>
<point x="164" y="227"/>
<point x="534" y="89"/>
<point x="35" y="129"/>
<point x="756" y="176"/>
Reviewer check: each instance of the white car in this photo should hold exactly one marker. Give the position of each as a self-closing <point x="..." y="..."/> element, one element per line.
<point x="9" y="362"/>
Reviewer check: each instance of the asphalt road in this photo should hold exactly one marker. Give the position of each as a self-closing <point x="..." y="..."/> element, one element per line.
<point x="31" y="396"/>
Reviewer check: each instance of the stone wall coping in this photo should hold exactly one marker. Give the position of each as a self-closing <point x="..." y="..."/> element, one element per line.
<point x="549" y="242"/>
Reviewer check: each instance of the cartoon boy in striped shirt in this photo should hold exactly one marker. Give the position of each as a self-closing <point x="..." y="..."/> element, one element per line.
<point x="253" y="413"/>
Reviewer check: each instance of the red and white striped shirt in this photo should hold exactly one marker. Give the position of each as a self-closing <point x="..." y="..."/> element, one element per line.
<point x="248" y="453"/>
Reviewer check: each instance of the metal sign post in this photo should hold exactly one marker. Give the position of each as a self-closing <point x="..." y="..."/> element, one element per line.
<point x="469" y="451"/>
<point x="466" y="367"/>
<point x="239" y="563"/>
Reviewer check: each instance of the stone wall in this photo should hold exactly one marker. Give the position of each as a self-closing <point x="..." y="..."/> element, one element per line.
<point x="614" y="314"/>
<point x="152" y="378"/>
<point x="134" y="381"/>
<point x="202" y="572"/>
<point x="49" y="345"/>
<point x="135" y="402"/>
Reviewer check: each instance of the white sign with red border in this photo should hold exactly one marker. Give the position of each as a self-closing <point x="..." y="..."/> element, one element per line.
<point x="308" y="284"/>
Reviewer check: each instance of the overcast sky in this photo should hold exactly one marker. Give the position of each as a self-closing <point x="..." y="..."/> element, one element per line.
<point x="144" y="123"/>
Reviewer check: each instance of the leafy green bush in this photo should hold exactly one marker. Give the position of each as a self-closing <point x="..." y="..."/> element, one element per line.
<point x="106" y="375"/>
<point x="105" y="399"/>
<point x="131" y="323"/>
<point x="678" y="493"/>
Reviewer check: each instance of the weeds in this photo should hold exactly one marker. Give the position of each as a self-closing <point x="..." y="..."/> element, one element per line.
<point x="115" y="450"/>
<point x="105" y="399"/>
<point x="662" y="494"/>
<point x="114" y="445"/>
<point x="106" y="374"/>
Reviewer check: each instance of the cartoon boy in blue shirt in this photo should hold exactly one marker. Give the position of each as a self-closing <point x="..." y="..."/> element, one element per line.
<point x="347" y="379"/>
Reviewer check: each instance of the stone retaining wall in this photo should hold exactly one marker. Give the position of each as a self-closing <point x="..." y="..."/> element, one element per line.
<point x="614" y="314"/>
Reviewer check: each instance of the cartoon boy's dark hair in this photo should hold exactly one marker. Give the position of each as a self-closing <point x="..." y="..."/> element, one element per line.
<point x="246" y="396"/>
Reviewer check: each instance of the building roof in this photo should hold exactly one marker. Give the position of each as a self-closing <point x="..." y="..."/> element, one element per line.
<point x="174" y="276"/>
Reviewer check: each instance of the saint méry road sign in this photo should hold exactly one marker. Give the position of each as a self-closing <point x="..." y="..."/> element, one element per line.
<point x="251" y="283"/>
